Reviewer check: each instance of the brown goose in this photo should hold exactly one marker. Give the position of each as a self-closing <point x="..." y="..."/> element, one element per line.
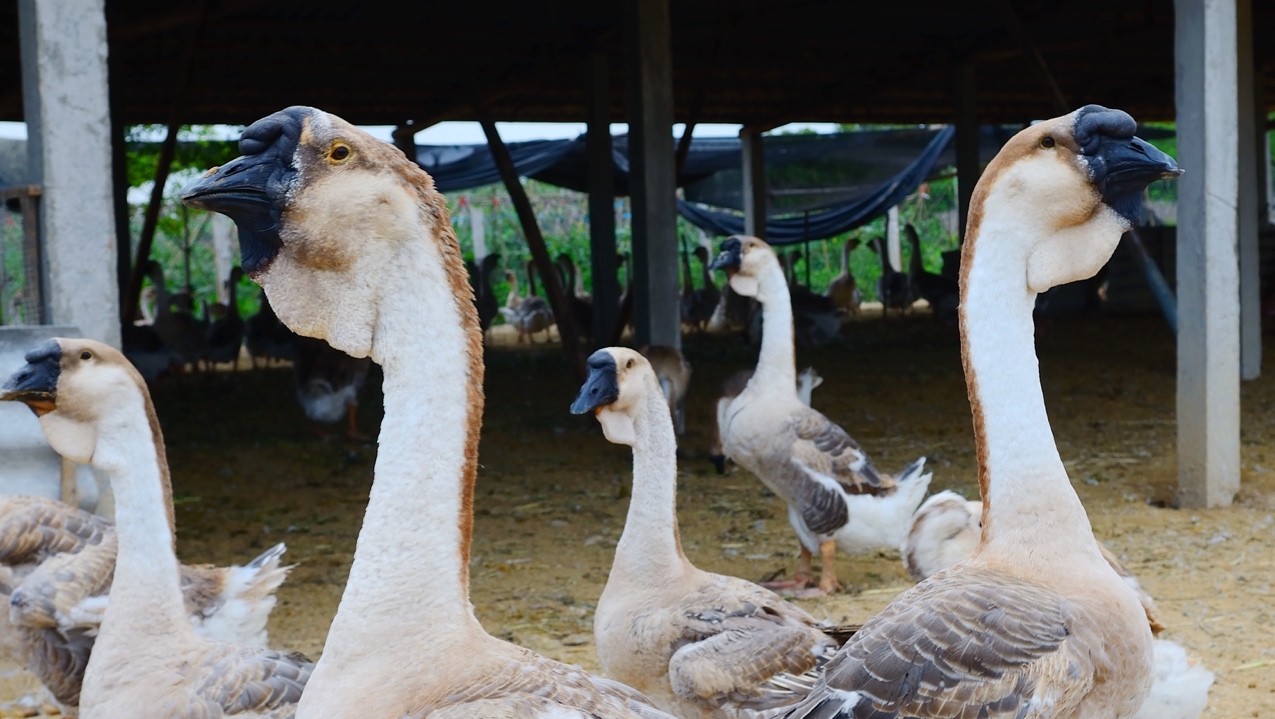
<point x="1036" y="623"/>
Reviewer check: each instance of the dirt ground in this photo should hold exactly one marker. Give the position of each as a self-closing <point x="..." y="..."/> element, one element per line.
<point x="249" y="471"/>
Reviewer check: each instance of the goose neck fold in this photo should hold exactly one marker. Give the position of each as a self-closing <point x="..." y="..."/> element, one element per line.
<point x="650" y="545"/>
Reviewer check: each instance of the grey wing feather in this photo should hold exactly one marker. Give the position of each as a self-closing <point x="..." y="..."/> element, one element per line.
<point x="823" y="447"/>
<point x="973" y="644"/>
<point x="261" y="682"/>
<point x="33" y="529"/>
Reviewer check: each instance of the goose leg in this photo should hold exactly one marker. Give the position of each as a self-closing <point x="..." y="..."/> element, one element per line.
<point x="828" y="583"/>
<point x="801" y="580"/>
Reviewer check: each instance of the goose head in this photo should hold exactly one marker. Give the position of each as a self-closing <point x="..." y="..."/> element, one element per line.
<point x="328" y="217"/>
<point x="1072" y="185"/>
<point x="619" y="378"/>
<point x="77" y="388"/>
<point x="746" y="260"/>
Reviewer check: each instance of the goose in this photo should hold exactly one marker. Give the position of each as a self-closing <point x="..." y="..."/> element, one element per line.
<point x="674" y="375"/>
<point x="147" y="659"/>
<point x="179" y="330"/>
<point x="484" y="295"/>
<point x="581" y="302"/>
<point x="700" y="645"/>
<point x="946" y="530"/>
<point x="894" y="288"/>
<point x="225" y="333"/>
<point x="529" y="314"/>
<point x="379" y="274"/>
<point x="807" y="380"/>
<point x="698" y="303"/>
<point x="266" y="338"/>
<point x="942" y="293"/>
<point x="835" y="497"/>
<point x="707" y="295"/>
<point x="843" y="291"/>
<point x="327" y="383"/>
<point x="1036" y="623"/>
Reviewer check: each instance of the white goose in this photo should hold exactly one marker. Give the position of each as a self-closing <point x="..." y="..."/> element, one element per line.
<point x="1036" y="623"/>
<point x="353" y="245"/>
<point x="701" y="645"/>
<point x="836" y="498"/>
<point x="147" y="659"/>
<point x="946" y="530"/>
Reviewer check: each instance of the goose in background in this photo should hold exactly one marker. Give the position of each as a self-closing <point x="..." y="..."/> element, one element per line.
<point x="942" y="293"/>
<point x="807" y="380"/>
<point x="530" y="314"/>
<point x="225" y="333"/>
<point x="266" y="338"/>
<point x="697" y="303"/>
<point x="835" y="497"/>
<point x="700" y="645"/>
<point x="946" y="530"/>
<point x="405" y="641"/>
<point x="147" y="659"/>
<point x="180" y="331"/>
<point x="328" y="382"/>
<point x="674" y="375"/>
<point x="484" y="295"/>
<point x="843" y="290"/>
<point x="1067" y="637"/>
<point x="581" y="302"/>
<point x="894" y="288"/>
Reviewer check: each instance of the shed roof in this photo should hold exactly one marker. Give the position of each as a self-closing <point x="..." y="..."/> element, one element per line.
<point x="758" y="62"/>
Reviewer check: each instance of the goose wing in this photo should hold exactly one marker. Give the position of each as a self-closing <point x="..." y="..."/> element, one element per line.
<point x="33" y="529"/>
<point x="746" y="647"/>
<point x="234" y="680"/>
<point x="825" y="465"/>
<point x="965" y="644"/>
<point x="68" y="591"/>
<point x="531" y="686"/>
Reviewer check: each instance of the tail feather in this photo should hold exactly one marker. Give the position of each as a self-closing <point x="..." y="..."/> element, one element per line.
<point x="246" y="600"/>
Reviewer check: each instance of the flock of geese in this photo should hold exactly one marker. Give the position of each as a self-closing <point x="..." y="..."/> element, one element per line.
<point x="1021" y="614"/>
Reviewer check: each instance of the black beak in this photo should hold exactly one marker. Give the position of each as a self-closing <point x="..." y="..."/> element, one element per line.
<point x="1121" y="164"/>
<point x="35" y="384"/>
<point x="601" y="388"/>
<point x="730" y="257"/>
<point x="252" y="190"/>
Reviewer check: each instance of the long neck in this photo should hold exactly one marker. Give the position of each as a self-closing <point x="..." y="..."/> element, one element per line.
<point x="705" y="275"/>
<point x="1029" y="506"/>
<point x="776" y="366"/>
<point x="146" y="596"/>
<point x="845" y="258"/>
<point x="688" y="278"/>
<point x="917" y="266"/>
<point x="650" y="546"/>
<point x="409" y="581"/>
<point x="231" y="296"/>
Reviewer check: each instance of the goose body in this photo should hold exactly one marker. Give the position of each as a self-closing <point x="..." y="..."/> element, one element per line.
<point x="835" y="497"/>
<point x="484" y="296"/>
<point x="843" y="290"/>
<point x="147" y="659"/>
<point x="699" y="644"/>
<point x="807" y="382"/>
<point x="946" y="530"/>
<point x="894" y="288"/>
<point x="1068" y="637"/>
<point x="530" y="314"/>
<point x="404" y="642"/>
<point x="942" y="293"/>
<point x="328" y="382"/>
<point x="225" y="334"/>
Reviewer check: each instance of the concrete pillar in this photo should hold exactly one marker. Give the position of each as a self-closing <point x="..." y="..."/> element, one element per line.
<point x="1208" y="402"/>
<point x="225" y="251"/>
<point x="753" y="161"/>
<point x="1251" y="143"/>
<point x="602" y="251"/>
<point x="968" y="167"/>
<point x="66" y="107"/>
<point x="656" y="309"/>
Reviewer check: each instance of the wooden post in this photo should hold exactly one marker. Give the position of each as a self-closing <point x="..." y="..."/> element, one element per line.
<point x="1251" y="158"/>
<point x="968" y="167"/>
<point x="1208" y="401"/>
<point x="601" y="168"/>
<point x="536" y="242"/>
<point x="753" y="159"/>
<point x="652" y="179"/>
<point x="893" y="249"/>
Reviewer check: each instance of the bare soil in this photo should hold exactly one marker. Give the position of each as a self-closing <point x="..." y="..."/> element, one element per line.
<point x="250" y="471"/>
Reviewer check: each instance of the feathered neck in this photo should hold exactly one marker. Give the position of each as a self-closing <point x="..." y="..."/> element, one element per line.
<point x="1030" y="511"/>
<point x="650" y="547"/>
<point x="776" y="365"/>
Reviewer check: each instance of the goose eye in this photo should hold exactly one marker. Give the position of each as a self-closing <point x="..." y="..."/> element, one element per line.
<point x="629" y="364"/>
<point x="339" y="153"/>
<point x="86" y="355"/>
<point x="1047" y="141"/>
